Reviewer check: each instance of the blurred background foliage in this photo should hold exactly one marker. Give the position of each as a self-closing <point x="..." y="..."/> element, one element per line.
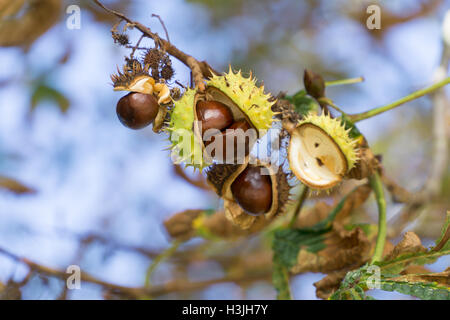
<point x="78" y="188"/>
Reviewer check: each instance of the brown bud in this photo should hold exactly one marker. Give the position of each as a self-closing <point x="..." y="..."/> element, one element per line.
<point x="314" y="84"/>
<point x="213" y="115"/>
<point x="253" y="191"/>
<point x="137" y="110"/>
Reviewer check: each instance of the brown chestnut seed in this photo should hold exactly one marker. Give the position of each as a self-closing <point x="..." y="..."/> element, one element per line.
<point x="213" y="115"/>
<point x="231" y="134"/>
<point x="241" y="124"/>
<point x="253" y="191"/>
<point x="137" y="110"/>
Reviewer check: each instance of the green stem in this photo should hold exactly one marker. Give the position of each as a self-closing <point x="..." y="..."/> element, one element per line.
<point x="412" y="96"/>
<point x="298" y="208"/>
<point x="377" y="186"/>
<point x="344" y="81"/>
<point x="164" y="255"/>
<point x="330" y="102"/>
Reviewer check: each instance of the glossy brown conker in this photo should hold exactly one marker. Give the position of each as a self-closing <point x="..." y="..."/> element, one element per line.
<point x="253" y="191"/>
<point x="213" y="115"/>
<point x="137" y="110"/>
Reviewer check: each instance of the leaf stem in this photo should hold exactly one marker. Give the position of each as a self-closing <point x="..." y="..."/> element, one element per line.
<point x="164" y="255"/>
<point x="301" y="200"/>
<point x="343" y="81"/>
<point x="410" y="97"/>
<point x="377" y="186"/>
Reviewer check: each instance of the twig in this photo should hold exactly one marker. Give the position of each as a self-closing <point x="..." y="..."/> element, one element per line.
<point x="163" y="25"/>
<point x="160" y="258"/>
<point x="399" y="102"/>
<point x="199" y="182"/>
<point x="199" y="69"/>
<point x="377" y="186"/>
<point x="139" y="292"/>
<point x="63" y="275"/>
<point x="136" y="46"/>
<point x="343" y="81"/>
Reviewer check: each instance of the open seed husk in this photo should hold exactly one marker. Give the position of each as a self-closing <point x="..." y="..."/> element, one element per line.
<point x="222" y="176"/>
<point x="320" y="151"/>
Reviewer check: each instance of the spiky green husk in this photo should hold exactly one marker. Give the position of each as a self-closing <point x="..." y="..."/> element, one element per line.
<point x="247" y="96"/>
<point x="336" y="130"/>
<point x="180" y="125"/>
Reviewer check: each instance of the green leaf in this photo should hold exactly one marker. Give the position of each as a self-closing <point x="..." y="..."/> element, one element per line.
<point x="280" y="279"/>
<point x="422" y="290"/>
<point x="303" y="104"/>
<point x="43" y="92"/>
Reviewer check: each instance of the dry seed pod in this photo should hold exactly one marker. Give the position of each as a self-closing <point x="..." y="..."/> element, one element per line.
<point x="240" y="95"/>
<point x="320" y="151"/>
<point x="135" y="79"/>
<point x="252" y="193"/>
<point x="163" y="93"/>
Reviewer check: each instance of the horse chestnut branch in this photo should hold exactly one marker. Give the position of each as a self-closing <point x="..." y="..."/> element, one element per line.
<point x="225" y="113"/>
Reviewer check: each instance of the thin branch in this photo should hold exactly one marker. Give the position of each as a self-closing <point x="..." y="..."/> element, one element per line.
<point x="399" y="102"/>
<point x="140" y="292"/>
<point x="344" y="81"/>
<point x="163" y="25"/>
<point x="199" y="69"/>
<point x="199" y="182"/>
<point x="136" y="46"/>
<point x="160" y="258"/>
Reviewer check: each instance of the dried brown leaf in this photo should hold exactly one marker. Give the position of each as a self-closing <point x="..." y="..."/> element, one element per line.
<point x="415" y="269"/>
<point x="330" y="283"/>
<point x="344" y="248"/>
<point x="321" y="210"/>
<point x="15" y="186"/>
<point x="218" y="225"/>
<point x="19" y="28"/>
<point x="179" y="226"/>
<point x="409" y="244"/>
<point x="190" y="223"/>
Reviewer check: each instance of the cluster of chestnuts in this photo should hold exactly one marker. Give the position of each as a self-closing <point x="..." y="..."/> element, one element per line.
<point x="232" y="113"/>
